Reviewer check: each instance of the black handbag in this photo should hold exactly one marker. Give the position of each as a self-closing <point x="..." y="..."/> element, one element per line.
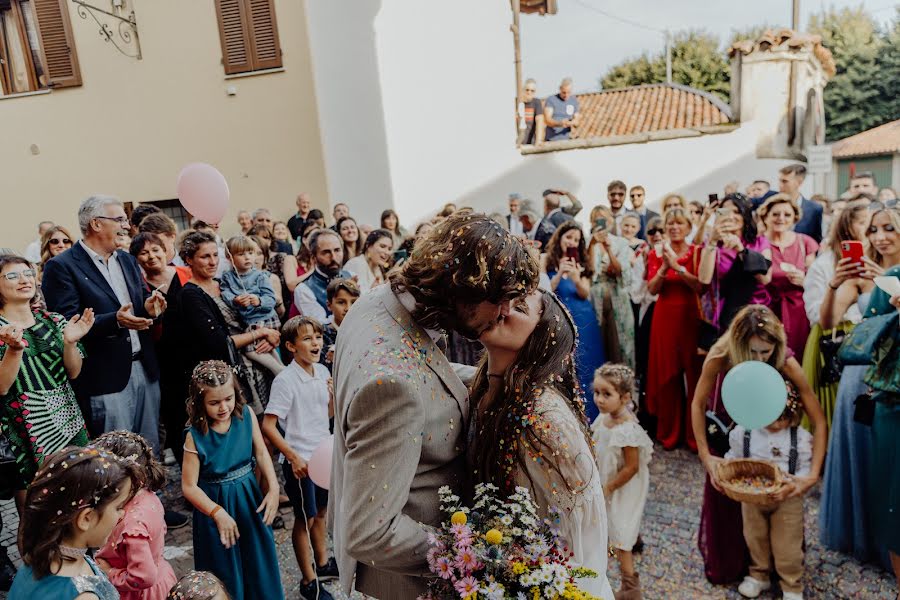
<point x="831" y="365"/>
<point x="9" y="468"/>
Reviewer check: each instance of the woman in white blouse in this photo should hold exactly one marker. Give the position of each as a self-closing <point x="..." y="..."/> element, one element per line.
<point x="370" y="267"/>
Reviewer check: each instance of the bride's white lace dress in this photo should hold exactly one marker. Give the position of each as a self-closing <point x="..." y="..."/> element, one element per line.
<point x="574" y="487"/>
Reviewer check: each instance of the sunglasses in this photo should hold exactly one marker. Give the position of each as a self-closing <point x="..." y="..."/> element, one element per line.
<point x="55" y="241"/>
<point x="16" y="275"/>
<point x="654" y="231"/>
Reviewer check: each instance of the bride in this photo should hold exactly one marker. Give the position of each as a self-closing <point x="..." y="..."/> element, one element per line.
<point x="529" y="429"/>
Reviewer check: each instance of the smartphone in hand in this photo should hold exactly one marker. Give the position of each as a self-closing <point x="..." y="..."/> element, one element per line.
<point x="852" y="249"/>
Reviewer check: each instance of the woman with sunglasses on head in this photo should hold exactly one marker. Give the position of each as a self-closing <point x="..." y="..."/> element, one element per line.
<point x="39" y="354"/>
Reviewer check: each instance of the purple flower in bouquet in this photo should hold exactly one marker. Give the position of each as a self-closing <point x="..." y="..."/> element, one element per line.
<point x="463" y="535"/>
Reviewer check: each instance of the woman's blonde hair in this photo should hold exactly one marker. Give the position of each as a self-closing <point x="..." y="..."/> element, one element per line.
<point x="773" y="201"/>
<point x="45" y="241"/>
<point x="678" y="197"/>
<point x="894" y="216"/>
<point x="754" y="320"/>
<point x="677" y="213"/>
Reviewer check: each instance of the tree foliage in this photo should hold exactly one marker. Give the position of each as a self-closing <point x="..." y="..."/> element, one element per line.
<point x="696" y="61"/>
<point x="857" y="97"/>
<point x="864" y="93"/>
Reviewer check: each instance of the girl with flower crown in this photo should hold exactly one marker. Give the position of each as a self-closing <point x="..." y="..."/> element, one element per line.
<point x="528" y="427"/>
<point x="232" y="519"/>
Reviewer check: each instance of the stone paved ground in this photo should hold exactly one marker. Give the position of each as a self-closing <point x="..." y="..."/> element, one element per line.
<point x="670" y="567"/>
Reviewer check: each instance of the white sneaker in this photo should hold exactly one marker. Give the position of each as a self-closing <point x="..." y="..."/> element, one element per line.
<point x="752" y="588"/>
<point x="792" y="596"/>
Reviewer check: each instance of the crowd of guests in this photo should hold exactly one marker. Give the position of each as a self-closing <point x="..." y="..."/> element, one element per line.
<point x="104" y="337"/>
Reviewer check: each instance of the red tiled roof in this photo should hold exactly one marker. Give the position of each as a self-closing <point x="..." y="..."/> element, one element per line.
<point x="884" y="139"/>
<point x="787" y="39"/>
<point x="646" y="108"/>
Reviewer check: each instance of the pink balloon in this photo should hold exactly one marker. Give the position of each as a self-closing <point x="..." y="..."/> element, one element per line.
<point x="203" y="192"/>
<point x="320" y="463"/>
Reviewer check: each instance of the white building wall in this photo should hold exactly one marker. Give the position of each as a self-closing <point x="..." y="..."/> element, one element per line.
<point x="416" y="109"/>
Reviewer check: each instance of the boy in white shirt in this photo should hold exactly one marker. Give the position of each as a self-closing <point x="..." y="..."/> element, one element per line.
<point x="776" y="532"/>
<point x="301" y="403"/>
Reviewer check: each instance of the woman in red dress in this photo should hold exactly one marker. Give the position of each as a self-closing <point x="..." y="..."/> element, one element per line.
<point x="672" y="273"/>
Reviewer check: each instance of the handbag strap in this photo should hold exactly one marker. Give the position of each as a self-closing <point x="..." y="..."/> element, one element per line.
<point x="747" y="443"/>
<point x="793" y="456"/>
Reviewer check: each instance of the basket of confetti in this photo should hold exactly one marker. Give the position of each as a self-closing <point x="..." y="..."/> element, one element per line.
<point x="749" y="480"/>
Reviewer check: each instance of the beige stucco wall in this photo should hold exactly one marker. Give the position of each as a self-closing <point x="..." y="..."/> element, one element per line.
<point x="134" y="123"/>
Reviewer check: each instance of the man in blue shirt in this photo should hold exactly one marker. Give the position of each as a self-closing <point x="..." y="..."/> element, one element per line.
<point x="561" y="112"/>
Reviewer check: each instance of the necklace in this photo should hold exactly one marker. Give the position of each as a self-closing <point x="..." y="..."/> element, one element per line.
<point x="70" y="553"/>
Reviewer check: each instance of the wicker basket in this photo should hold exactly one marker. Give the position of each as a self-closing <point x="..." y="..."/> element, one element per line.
<point x="748" y="467"/>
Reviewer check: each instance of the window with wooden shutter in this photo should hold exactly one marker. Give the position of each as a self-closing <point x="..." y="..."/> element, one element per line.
<point x="249" y="34"/>
<point x="54" y="30"/>
<point x="36" y="46"/>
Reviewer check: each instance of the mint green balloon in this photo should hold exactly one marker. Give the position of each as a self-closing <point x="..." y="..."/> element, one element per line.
<point x="754" y="394"/>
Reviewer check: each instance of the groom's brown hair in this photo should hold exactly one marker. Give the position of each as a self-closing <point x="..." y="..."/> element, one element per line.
<point x="468" y="259"/>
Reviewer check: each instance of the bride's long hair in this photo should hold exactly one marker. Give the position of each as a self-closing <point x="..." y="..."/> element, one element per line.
<point x="547" y="360"/>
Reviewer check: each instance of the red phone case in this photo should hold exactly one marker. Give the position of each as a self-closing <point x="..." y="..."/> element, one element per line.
<point x="853" y="250"/>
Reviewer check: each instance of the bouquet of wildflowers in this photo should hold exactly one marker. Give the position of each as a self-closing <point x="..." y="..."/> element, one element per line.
<point x="500" y="549"/>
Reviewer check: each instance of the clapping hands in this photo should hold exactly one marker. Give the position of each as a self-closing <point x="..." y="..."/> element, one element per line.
<point x="78" y="326"/>
<point x="11" y="336"/>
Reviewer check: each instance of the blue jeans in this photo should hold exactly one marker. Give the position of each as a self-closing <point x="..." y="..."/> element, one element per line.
<point x="136" y="408"/>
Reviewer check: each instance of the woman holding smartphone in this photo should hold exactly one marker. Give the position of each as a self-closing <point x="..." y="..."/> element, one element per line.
<point x="570" y="271"/>
<point x="736" y="263"/>
<point x="611" y="257"/>
<point x="845" y="514"/>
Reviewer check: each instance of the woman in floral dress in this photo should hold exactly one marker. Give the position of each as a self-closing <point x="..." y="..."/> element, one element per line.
<point x="39" y="354"/>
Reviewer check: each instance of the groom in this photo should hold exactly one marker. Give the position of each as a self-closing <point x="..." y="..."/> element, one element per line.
<point x="401" y="408"/>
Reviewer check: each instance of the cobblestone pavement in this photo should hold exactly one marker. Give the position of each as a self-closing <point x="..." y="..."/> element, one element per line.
<point x="670" y="566"/>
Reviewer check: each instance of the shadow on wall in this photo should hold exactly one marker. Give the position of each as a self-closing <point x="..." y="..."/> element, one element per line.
<point x="530" y="178"/>
<point x="343" y="100"/>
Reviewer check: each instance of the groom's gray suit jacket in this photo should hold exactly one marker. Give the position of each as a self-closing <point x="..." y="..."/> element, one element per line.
<point x="399" y="435"/>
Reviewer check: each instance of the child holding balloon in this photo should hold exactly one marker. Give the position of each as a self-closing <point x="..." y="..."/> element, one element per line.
<point x="223" y="444"/>
<point x="776" y="532"/>
<point x="300" y="404"/>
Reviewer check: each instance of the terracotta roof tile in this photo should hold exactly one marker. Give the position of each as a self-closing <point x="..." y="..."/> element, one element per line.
<point x="646" y="108"/>
<point x="884" y="139"/>
<point x="787" y="39"/>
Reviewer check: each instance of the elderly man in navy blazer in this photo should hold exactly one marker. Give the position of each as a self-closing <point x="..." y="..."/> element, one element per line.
<point x="119" y="383"/>
<point x="790" y="178"/>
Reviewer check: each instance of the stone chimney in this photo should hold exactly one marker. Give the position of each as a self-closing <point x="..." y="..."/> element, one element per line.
<point x="777" y="82"/>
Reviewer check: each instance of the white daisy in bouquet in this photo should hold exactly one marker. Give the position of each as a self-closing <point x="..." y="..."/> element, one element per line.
<point x="500" y="549"/>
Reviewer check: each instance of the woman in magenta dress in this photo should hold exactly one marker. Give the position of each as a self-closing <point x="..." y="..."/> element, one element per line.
<point x="736" y="263"/>
<point x="672" y="273"/>
<point x="792" y="254"/>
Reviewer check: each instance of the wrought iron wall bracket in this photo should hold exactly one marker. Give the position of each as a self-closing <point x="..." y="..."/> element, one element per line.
<point x="125" y="32"/>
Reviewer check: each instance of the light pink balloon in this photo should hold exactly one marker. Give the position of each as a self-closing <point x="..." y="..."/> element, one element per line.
<point x="320" y="463"/>
<point x="203" y="192"/>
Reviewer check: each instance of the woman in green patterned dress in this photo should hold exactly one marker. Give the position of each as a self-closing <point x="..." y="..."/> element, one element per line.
<point x="39" y="354"/>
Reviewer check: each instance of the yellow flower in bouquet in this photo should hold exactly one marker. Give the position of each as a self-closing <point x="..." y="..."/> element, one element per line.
<point x="458" y="518"/>
<point x="493" y="537"/>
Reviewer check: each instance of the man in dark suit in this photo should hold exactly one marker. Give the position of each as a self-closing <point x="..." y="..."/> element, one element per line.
<point x="790" y="178"/>
<point x="555" y="214"/>
<point x="639" y="205"/>
<point x="119" y="382"/>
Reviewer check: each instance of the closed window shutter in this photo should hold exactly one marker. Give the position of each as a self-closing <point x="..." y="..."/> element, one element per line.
<point x="264" y="34"/>
<point x="249" y="35"/>
<point x="236" y="54"/>
<point x="57" y="43"/>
